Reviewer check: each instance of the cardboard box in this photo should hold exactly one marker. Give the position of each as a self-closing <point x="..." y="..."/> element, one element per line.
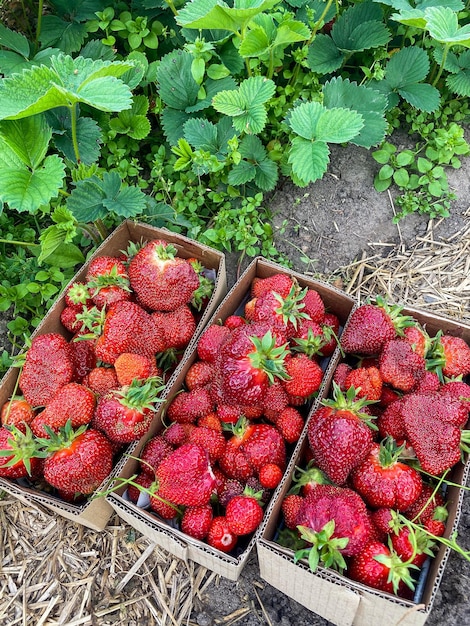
<point x="172" y="539"/>
<point x="95" y="513"/>
<point x="335" y="597"/>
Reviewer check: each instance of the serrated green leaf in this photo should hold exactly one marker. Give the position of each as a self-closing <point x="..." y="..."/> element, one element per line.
<point x="128" y="202"/>
<point x="422" y="96"/>
<point x="67" y="36"/>
<point x="201" y="134"/>
<point x="303" y="119"/>
<point x="176" y="85"/>
<point x="86" y="200"/>
<point x="360" y="27"/>
<point x="308" y="159"/>
<point x="443" y="26"/>
<point x="29" y="138"/>
<point x="14" y="41"/>
<point x="408" y="65"/>
<point x="323" y="55"/>
<point x="173" y="121"/>
<point x="257" y="90"/>
<point x="212" y="87"/>
<point x="255" y="43"/>
<point x="89" y="137"/>
<point x="460" y="83"/>
<point x="216" y="14"/>
<point x="410" y="17"/>
<point x="289" y="32"/>
<point x="266" y="175"/>
<point x="339" y="125"/>
<point x="365" y="36"/>
<point x="241" y="173"/>
<point x="65" y="255"/>
<point x="252" y="148"/>
<point x="26" y="190"/>
<point x="160" y="214"/>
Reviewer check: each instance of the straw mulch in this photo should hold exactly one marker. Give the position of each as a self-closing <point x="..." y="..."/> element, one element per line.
<point x="55" y="572"/>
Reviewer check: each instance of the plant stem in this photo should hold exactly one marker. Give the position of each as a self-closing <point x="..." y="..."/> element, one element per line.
<point x="19" y="243"/>
<point x="89" y="230"/>
<point x="73" y="112"/>
<point x="39" y="24"/>
<point x="101" y="228"/>
<point x="172" y="7"/>
<point x="443" y="62"/>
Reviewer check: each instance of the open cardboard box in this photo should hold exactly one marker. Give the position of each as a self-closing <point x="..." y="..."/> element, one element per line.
<point x="335" y="597"/>
<point x="170" y="538"/>
<point x="95" y="513"/>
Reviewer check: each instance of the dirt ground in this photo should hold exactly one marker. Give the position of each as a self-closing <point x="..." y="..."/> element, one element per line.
<point x="335" y="222"/>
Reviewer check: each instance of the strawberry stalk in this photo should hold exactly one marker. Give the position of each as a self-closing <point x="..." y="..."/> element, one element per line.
<point x="350" y="402"/>
<point x="324" y="549"/>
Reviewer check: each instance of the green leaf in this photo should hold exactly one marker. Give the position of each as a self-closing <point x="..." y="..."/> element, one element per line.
<point x="65" y="255"/>
<point x="26" y="190"/>
<point x="460" y="83"/>
<point x="266" y="175"/>
<point x="89" y="140"/>
<point x="255" y="43"/>
<point x="216" y="14"/>
<point x="128" y="202"/>
<point x="303" y="119"/>
<point x="29" y="138"/>
<point x="408" y="65"/>
<point x="311" y="120"/>
<point x="405" y="158"/>
<point x="212" y="87"/>
<point x="323" y="55"/>
<point x="68" y="36"/>
<point x="422" y="96"/>
<point x="173" y="122"/>
<point x="360" y="27"/>
<point x="308" y="159"/>
<point x="386" y="171"/>
<point x="381" y="156"/>
<point x="176" y="85"/>
<point x="201" y="134"/>
<point x="443" y="26"/>
<point x="251" y="148"/>
<point x="382" y="184"/>
<point x="86" y="200"/>
<point x="242" y="173"/>
<point x="401" y="177"/>
<point x="14" y="41"/>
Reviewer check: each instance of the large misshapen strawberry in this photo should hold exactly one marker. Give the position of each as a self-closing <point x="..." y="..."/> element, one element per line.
<point x="400" y="366"/>
<point x="48" y="365"/>
<point x="161" y="280"/>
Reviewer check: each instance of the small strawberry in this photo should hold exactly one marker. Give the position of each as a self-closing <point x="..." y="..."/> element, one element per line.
<point x="210" y="342"/>
<point x="200" y="374"/>
<point x="340" y="374"/>
<point x="290" y="508"/>
<point x="313" y="305"/>
<point x="69" y="320"/>
<point x="77" y="295"/>
<point x="185" y="476"/>
<point x="101" y="380"/>
<point x="412" y="545"/>
<point x="129" y="366"/>
<point x="234" y="321"/>
<point x="370" y="326"/>
<point x="161" y="506"/>
<point x="20" y="455"/>
<point x="210" y="420"/>
<point x="244" y="514"/>
<point x="188" y="406"/>
<point x="162" y="280"/>
<point x="418" y="338"/>
<point x="330" y="327"/>
<point x="304" y="376"/>
<point x="213" y="441"/>
<point x="264" y="444"/>
<point x="231" y="488"/>
<point x="449" y="356"/>
<point x="48" y="365"/>
<point x="390" y="422"/>
<point x="72" y="402"/>
<point x="197" y="520"/>
<point x="16" y="412"/>
<point x="220" y="536"/>
<point x="424" y="507"/>
<point x="290" y="424"/>
<point x="107" y="281"/>
<point x="400" y="366"/>
<point x="177" y="434"/>
<point x="77" y="461"/>
<point x="270" y="475"/>
<point x="141" y="482"/>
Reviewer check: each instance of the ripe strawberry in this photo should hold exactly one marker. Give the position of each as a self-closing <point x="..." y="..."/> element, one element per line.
<point x="72" y="402"/>
<point x="188" y="406"/>
<point x="200" y="374"/>
<point x="275" y="401"/>
<point x="340" y="374"/>
<point x="427" y="381"/>
<point x="457" y="389"/>
<point x="210" y="342"/>
<point x="161" y="280"/>
<point x="270" y="475"/>
<point x="137" y="487"/>
<point x="177" y="434"/>
<point x="101" y="380"/>
<point x="154" y="451"/>
<point x="128" y="328"/>
<point x="125" y="415"/>
<point x="129" y="366"/>
<point x="400" y="366"/>
<point x="234" y="321"/>
<point x="161" y="506"/>
<point x="108" y="281"/>
<point x="83" y="357"/>
<point x="290" y="508"/>
<point x="78" y="461"/>
<point x="248" y="362"/>
<point x="424" y="507"/>
<point x="264" y="444"/>
<point x="230" y="488"/>
<point x="279" y="283"/>
<point x="211" y="440"/>
<point x="433" y="427"/>
<point x="20" y="455"/>
<point x="367" y="382"/>
<point x="211" y="420"/>
<point x="330" y="327"/>
<point x="412" y="545"/>
<point x="340" y="434"/>
<point x="383" y="520"/>
<point x="244" y="514"/>
<point x="335" y="521"/>
<point x="304" y="376"/>
<point x="383" y="480"/>
<point x="283" y="314"/>
<point x="418" y="338"/>
<point x="77" y="295"/>
<point x="234" y="462"/>
<point x="177" y="327"/>
<point x="220" y="536"/>
<point x="449" y="356"/>
<point x="313" y="305"/>
<point x="196" y="521"/>
<point x="380" y="568"/>
<point x="388" y="395"/>
<point x="16" y="412"/>
<point x="69" y="320"/>
<point x="308" y="338"/>
<point x="306" y="480"/>
<point x="371" y="325"/>
<point x="390" y="422"/>
<point x="185" y="476"/>
<point x="48" y="365"/>
<point x="290" y="424"/>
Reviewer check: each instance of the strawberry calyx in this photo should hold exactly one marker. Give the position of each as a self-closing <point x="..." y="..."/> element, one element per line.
<point x="22" y="447"/>
<point x="311" y="476"/>
<point x="165" y="252"/>
<point x="142" y="394"/>
<point x="269" y="358"/>
<point x="399" y="321"/>
<point x="390" y="452"/>
<point x="312" y="345"/>
<point x="60" y="440"/>
<point x="203" y="293"/>
<point x="78" y="293"/>
<point x="324" y="548"/>
<point x="399" y="571"/>
<point x="351" y="402"/>
<point x="92" y="320"/>
<point x="290" y="307"/>
<point x="109" y="279"/>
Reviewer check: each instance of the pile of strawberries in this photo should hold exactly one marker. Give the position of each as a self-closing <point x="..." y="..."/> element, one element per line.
<point x="242" y="408"/>
<point x="84" y="398"/>
<point x="369" y="503"/>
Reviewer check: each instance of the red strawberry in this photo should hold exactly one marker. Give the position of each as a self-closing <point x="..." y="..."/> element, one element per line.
<point x="283" y="314"/>
<point x="383" y="520"/>
<point x="196" y="521"/>
<point x="188" y="406"/>
<point x="304" y="376"/>
<point x="234" y="321"/>
<point x="211" y="440"/>
<point x="340" y="515"/>
<point x="264" y="444"/>
<point x="234" y="462"/>
<point x="330" y="327"/>
<point x="48" y="366"/>
<point x="78" y="461"/>
<point x="16" y="412"/>
<point x="424" y="507"/>
<point x="177" y="327"/>
<point x="154" y="451"/>
<point x="177" y="434"/>
<point x="270" y="475"/>
<point x="449" y="355"/>
<point x="279" y="283"/>
<point x="141" y="482"/>
<point x="412" y="545"/>
<point x="161" y="280"/>
<point x="418" y="338"/>
<point x="370" y="326"/>
<point x="275" y="401"/>
<point x="129" y="366"/>
<point x="83" y="357"/>
<point x="101" y="380"/>
<point x="77" y="295"/>
<point x="220" y="536"/>
<point x="243" y="514"/>
<point x="390" y="422"/>
<point x="72" y="402"/>
<point x="367" y="382"/>
<point x="428" y="381"/>
<point x="20" y="455"/>
<point x="107" y="281"/>
<point x="290" y="424"/>
<point x="211" y="341"/>
<point x="210" y="420"/>
<point x="290" y="508"/>
<point x="340" y="374"/>
<point x="128" y="328"/>
<point x="185" y="476"/>
<point x="400" y="366"/>
<point x="161" y="506"/>
<point x="69" y="320"/>
<point x="125" y="415"/>
<point x="230" y="488"/>
<point x="383" y="480"/>
<point x="200" y="374"/>
<point x="378" y="567"/>
<point x="313" y="305"/>
<point x="340" y="434"/>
